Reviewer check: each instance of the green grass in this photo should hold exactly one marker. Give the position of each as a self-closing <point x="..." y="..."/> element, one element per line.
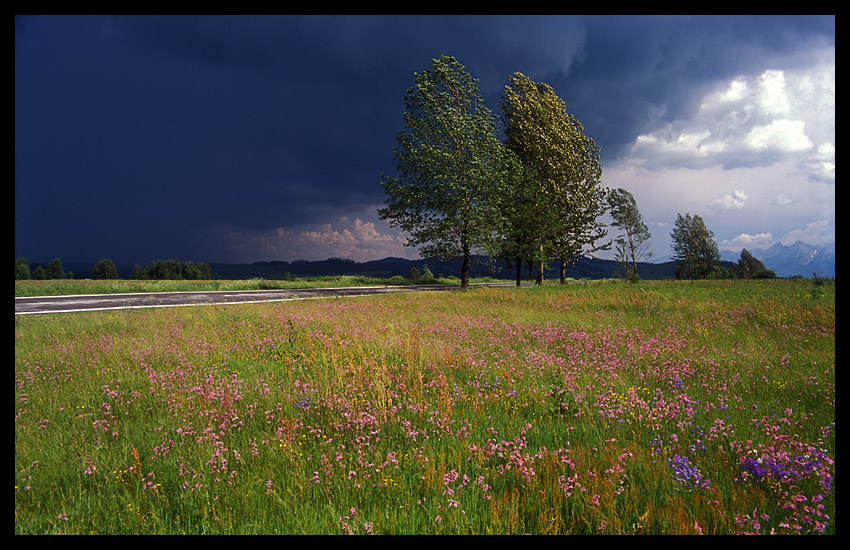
<point x="63" y="287"/>
<point x="553" y="410"/>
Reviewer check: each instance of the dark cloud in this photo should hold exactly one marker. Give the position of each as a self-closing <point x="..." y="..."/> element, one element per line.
<point x="133" y="131"/>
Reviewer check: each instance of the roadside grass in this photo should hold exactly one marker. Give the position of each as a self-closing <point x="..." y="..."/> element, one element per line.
<point x="601" y="408"/>
<point x="63" y="287"/>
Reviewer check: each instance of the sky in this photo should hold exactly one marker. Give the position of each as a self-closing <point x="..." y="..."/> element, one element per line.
<point x="241" y="139"/>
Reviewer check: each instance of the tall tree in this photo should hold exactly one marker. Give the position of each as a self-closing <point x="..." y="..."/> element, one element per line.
<point x="54" y="270"/>
<point x="694" y="247"/>
<point x="552" y="144"/>
<point x="518" y="203"/>
<point x="450" y="164"/>
<point x="632" y="246"/>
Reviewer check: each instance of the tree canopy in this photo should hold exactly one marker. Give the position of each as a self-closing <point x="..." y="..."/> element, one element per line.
<point x="104" y="269"/>
<point x="450" y="164"/>
<point x="749" y="267"/>
<point x="632" y="246"/>
<point x="694" y="247"/>
<point x="564" y="164"/>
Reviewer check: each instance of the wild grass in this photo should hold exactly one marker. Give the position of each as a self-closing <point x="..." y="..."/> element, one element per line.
<point x="63" y="287"/>
<point x="600" y="408"/>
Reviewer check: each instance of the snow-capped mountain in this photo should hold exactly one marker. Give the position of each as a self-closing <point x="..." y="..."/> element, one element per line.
<point x="797" y="259"/>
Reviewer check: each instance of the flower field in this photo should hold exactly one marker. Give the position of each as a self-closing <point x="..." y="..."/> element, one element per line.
<point x="600" y="408"/>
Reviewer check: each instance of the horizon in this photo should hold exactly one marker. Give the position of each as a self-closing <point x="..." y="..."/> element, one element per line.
<point x="726" y="256"/>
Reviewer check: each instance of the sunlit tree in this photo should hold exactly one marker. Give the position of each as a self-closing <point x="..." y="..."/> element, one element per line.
<point x="632" y="246"/>
<point x="566" y="168"/>
<point x="450" y="166"/>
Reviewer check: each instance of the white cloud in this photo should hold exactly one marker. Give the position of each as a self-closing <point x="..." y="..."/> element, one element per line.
<point x="756" y="160"/>
<point x="752" y="120"/>
<point x="817" y="233"/>
<point x="821" y="163"/>
<point x="729" y="201"/>
<point x="773" y="98"/>
<point x="745" y="240"/>
<point x="783" y="135"/>
<point x="783" y="199"/>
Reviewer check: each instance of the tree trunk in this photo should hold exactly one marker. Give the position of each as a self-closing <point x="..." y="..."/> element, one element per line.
<point x="540" y="268"/>
<point x="464" y="270"/>
<point x="563" y="270"/>
<point x="518" y="271"/>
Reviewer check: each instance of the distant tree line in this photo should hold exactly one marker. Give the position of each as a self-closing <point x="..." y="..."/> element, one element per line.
<point x="173" y="270"/>
<point x="105" y="269"/>
<point x="53" y="270"/>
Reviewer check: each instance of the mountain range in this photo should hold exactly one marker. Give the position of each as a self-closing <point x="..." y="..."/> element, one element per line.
<point x="799" y="259"/>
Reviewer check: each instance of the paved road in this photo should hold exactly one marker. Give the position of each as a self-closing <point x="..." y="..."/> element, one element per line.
<point x="64" y="304"/>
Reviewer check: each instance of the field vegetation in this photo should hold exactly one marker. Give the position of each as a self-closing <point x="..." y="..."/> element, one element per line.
<point x="672" y="407"/>
<point x="61" y="287"/>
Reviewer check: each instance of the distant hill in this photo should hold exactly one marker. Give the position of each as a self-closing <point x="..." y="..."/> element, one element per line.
<point x="786" y="261"/>
<point x="585" y="268"/>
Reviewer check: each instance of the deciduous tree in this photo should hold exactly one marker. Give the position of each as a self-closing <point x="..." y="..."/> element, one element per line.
<point x="750" y="267"/>
<point x="54" y="270"/>
<point x="104" y="269"/>
<point x="632" y="246"/>
<point x="22" y="269"/>
<point x="565" y="164"/>
<point x="694" y="247"/>
<point x="450" y="167"/>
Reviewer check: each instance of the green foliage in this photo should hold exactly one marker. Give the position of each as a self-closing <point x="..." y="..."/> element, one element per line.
<point x="176" y="270"/>
<point x="749" y="267"/>
<point x="22" y="269"/>
<point x="565" y="201"/>
<point x="695" y="248"/>
<point x="633" y="245"/>
<point x="54" y="270"/>
<point x="450" y="162"/>
<point x="104" y="269"/>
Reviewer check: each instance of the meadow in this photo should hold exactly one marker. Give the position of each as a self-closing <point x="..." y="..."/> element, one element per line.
<point x="665" y="407"/>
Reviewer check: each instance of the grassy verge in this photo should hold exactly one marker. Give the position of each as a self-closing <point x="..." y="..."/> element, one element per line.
<point x="61" y="287"/>
<point x="658" y="408"/>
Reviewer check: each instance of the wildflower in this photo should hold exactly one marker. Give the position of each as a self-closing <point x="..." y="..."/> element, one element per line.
<point x="687" y="473"/>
